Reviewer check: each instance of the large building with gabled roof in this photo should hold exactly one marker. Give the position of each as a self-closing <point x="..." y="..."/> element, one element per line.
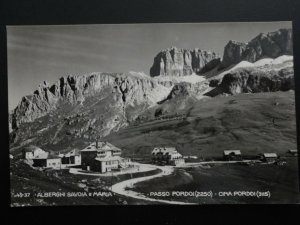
<point x="232" y="155"/>
<point x="166" y="155"/>
<point x="102" y="157"/>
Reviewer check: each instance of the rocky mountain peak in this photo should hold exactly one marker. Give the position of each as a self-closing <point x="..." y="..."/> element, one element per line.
<point x="270" y="45"/>
<point x="73" y="90"/>
<point x="106" y="102"/>
<point x="180" y="62"/>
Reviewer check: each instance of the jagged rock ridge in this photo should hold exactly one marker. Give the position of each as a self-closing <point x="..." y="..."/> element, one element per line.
<point x="252" y="80"/>
<point x="75" y="89"/>
<point x="76" y="108"/>
<point x="270" y="45"/>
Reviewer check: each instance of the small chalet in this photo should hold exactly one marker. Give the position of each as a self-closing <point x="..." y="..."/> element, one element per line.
<point x="103" y="157"/>
<point x="166" y="155"/>
<point x="41" y="158"/>
<point x="73" y="157"/>
<point x="270" y="157"/>
<point x="232" y="155"/>
<point x="11" y="156"/>
<point x="49" y="162"/>
<point x="293" y="152"/>
<point x="33" y="152"/>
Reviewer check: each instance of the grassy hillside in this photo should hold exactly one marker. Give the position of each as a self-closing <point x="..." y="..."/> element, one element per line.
<point x="24" y="179"/>
<point x="253" y="123"/>
<point x="281" y="181"/>
<point x="71" y="126"/>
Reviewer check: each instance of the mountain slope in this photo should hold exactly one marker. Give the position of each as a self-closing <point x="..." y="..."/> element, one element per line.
<point x="76" y="110"/>
<point x="83" y="107"/>
<point x="264" y="75"/>
<point x="254" y="123"/>
<point x="270" y="45"/>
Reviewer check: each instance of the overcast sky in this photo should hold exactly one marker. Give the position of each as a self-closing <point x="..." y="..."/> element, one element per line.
<point x="38" y="53"/>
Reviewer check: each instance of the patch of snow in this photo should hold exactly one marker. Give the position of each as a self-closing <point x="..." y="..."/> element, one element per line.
<point x="263" y="62"/>
<point x="260" y="64"/>
<point x="242" y="64"/>
<point x="282" y="59"/>
<point x="41" y="130"/>
<point x="139" y="74"/>
<point x="193" y="78"/>
<point x="159" y="94"/>
<point x="278" y="60"/>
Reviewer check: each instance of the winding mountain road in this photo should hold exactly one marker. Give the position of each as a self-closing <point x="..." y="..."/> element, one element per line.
<point x="120" y="188"/>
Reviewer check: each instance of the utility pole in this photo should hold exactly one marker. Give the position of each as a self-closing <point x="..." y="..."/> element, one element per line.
<point x="111" y="178"/>
<point x="132" y="162"/>
<point x="133" y="155"/>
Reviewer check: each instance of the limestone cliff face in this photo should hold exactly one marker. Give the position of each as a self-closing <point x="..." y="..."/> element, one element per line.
<point x="180" y="62"/>
<point x="253" y="81"/>
<point x="270" y="45"/>
<point x="73" y="90"/>
<point x="76" y="109"/>
<point x="233" y="52"/>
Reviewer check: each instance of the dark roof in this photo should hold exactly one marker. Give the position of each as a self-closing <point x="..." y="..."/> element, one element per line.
<point x="31" y="148"/>
<point x="102" y="146"/>
<point x="39" y="159"/>
<point x="236" y="152"/>
<point x="53" y="157"/>
<point x="77" y="151"/>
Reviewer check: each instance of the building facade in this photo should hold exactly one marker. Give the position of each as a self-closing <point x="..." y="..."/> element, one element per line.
<point x="33" y="152"/>
<point x="73" y="157"/>
<point x="232" y="155"/>
<point x="166" y="155"/>
<point x="102" y="157"/>
<point x="41" y="158"/>
<point x="270" y="157"/>
<point x="50" y="162"/>
<point x="293" y="152"/>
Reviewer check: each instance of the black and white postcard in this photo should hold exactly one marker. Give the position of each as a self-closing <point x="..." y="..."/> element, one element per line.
<point x="152" y="113"/>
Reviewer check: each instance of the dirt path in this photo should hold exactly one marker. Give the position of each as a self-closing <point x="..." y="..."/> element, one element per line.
<point x="137" y="169"/>
<point x="186" y="165"/>
<point x="119" y="188"/>
<point x="57" y="131"/>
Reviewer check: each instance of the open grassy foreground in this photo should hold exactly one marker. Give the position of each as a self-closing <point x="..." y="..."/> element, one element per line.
<point x="280" y="181"/>
<point x="34" y="183"/>
<point x="253" y="123"/>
